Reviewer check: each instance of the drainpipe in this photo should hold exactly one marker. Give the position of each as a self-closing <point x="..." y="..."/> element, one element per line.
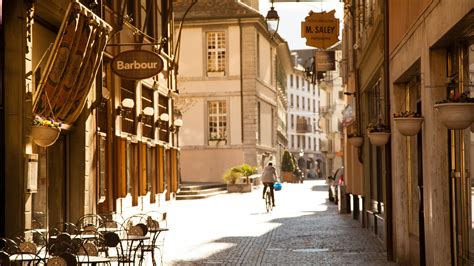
<point x="388" y="150"/>
<point x="241" y="86"/>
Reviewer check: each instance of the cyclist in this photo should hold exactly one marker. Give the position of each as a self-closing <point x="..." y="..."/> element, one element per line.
<point x="269" y="178"/>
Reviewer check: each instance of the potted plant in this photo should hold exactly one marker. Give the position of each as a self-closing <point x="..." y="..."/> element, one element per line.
<point x="355" y="139"/>
<point x="378" y="133"/>
<point x="457" y="111"/>
<point x="44" y="131"/>
<point x="408" y="122"/>
<point x="288" y="166"/>
<point x="234" y="174"/>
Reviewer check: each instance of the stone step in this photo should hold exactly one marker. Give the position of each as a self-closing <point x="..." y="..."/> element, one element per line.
<point x="200" y="190"/>
<point x="197" y="186"/>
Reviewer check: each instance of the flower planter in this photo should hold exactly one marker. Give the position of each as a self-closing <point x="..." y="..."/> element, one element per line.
<point x="356" y="141"/>
<point x="44" y="136"/>
<point x="409" y="126"/>
<point x="456" y="115"/>
<point x="378" y="138"/>
<point x="239" y="188"/>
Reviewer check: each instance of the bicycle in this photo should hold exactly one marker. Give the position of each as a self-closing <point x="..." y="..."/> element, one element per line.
<point x="268" y="199"/>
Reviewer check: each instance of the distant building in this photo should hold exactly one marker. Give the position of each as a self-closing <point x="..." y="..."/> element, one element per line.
<point x="229" y="75"/>
<point x="314" y="114"/>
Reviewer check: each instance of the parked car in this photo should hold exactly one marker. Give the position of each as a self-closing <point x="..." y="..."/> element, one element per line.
<point x="333" y="182"/>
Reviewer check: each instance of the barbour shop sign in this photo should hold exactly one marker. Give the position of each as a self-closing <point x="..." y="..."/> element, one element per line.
<point x="137" y="64"/>
<point x="321" y="30"/>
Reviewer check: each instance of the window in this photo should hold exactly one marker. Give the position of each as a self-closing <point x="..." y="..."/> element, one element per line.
<point x="297" y="101"/>
<point x="127" y="90"/>
<point x="297" y="81"/>
<point x="309" y="104"/>
<point x="163" y="109"/>
<point x="302" y="102"/>
<point x="314" y="106"/>
<point x="291" y="100"/>
<point x="217" y="113"/>
<point x="291" y="80"/>
<point x="216" y="51"/>
<point x="292" y="121"/>
<point x="292" y="141"/>
<point x="147" y="121"/>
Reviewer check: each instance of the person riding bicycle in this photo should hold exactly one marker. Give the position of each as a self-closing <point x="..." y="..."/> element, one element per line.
<point x="269" y="178"/>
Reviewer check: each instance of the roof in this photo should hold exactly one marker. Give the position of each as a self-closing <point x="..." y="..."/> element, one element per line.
<point x="214" y="9"/>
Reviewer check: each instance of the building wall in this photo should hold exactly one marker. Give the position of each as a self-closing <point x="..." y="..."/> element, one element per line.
<point x="416" y="47"/>
<point x="242" y="87"/>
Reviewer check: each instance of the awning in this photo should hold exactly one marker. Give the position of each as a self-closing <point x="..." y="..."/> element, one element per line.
<point x="72" y="65"/>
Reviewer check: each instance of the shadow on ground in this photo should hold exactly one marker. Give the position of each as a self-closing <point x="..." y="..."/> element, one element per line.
<point x="314" y="237"/>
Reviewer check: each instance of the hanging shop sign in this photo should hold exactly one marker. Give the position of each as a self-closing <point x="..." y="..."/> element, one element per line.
<point x="325" y="61"/>
<point x="321" y="30"/>
<point x="137" y="64"/>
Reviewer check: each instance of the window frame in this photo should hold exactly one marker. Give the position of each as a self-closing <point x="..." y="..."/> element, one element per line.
<point x="217" y="115"/>
<point x="220" y="66"/>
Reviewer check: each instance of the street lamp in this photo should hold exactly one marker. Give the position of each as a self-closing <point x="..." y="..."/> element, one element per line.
<point x="273" y="20"/>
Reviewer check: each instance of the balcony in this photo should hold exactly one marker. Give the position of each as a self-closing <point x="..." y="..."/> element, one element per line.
<point x="302" y="126"/>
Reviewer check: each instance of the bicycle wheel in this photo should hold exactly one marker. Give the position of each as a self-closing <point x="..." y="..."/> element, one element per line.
<point x="268" y="201"/>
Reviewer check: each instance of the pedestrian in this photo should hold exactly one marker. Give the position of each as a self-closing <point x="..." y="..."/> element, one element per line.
<point x="269" y="178"/>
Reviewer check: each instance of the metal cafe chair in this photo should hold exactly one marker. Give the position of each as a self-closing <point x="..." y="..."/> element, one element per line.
<point x="157" y="226"/>
<point x="89" y="220"/>
<point x="121" y="254"/>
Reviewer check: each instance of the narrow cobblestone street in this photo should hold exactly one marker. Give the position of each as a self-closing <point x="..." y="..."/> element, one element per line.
<point x="234" y="229"/>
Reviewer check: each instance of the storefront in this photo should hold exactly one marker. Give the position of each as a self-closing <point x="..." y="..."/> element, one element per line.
<point x="116" y="150"/>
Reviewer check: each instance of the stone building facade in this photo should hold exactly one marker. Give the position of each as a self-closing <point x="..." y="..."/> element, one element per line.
<point x="229" y="75"/>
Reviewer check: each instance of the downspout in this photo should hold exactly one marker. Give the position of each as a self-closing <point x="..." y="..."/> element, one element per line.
<point x="241" y="86"/>
<point x="388" y="148"/>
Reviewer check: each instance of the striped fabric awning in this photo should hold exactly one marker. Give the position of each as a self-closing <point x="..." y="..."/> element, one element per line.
<point x="72" y="65"/>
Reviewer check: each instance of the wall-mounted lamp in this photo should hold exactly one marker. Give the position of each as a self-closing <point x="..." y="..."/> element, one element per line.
<point x="163" y="120"/>
<point x="125" y="107"/>
<point x="273" y="20"/>
<point x="176" y="125"/>
<point x="147" y="113"/>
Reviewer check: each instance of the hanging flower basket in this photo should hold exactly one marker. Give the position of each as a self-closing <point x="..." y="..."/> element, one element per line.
<point x="44" y="136"/>
<point x="356" y="141"/>
<point x="45" y="132"/>
<point x="456" y="115"/>
<point x="409" y="126"/>
<point x="378" y="138"/>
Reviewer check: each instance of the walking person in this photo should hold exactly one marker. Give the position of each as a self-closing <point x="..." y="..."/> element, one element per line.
<point x="269" y="178"/>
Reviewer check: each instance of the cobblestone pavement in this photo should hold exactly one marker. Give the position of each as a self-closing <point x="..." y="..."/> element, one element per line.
<point x="234" y="229"/>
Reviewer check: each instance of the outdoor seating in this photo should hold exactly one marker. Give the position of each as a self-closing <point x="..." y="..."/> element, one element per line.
<point x="121" y="254"/>
<point x="89" y="221"/>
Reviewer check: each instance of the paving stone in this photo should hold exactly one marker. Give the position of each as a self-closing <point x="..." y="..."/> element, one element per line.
<point x="234" y="229"/>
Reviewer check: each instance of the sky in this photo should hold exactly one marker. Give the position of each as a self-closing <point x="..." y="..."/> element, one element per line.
<point x="293" y="13"/>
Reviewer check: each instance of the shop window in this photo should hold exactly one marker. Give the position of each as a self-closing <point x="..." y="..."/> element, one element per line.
<point x="216" y="52"/>
<point x="127" y="90"/>
<point x="163" y="125"/>
<point x="147" y="120"/>
<point x="217" y="117"/>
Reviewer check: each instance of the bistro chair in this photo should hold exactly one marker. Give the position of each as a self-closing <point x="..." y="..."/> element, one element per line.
<point x="121" y="254"/>
<point x="4" y="258"/>
<point x="89" y="220"/>
<point x="157" y="226"/>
